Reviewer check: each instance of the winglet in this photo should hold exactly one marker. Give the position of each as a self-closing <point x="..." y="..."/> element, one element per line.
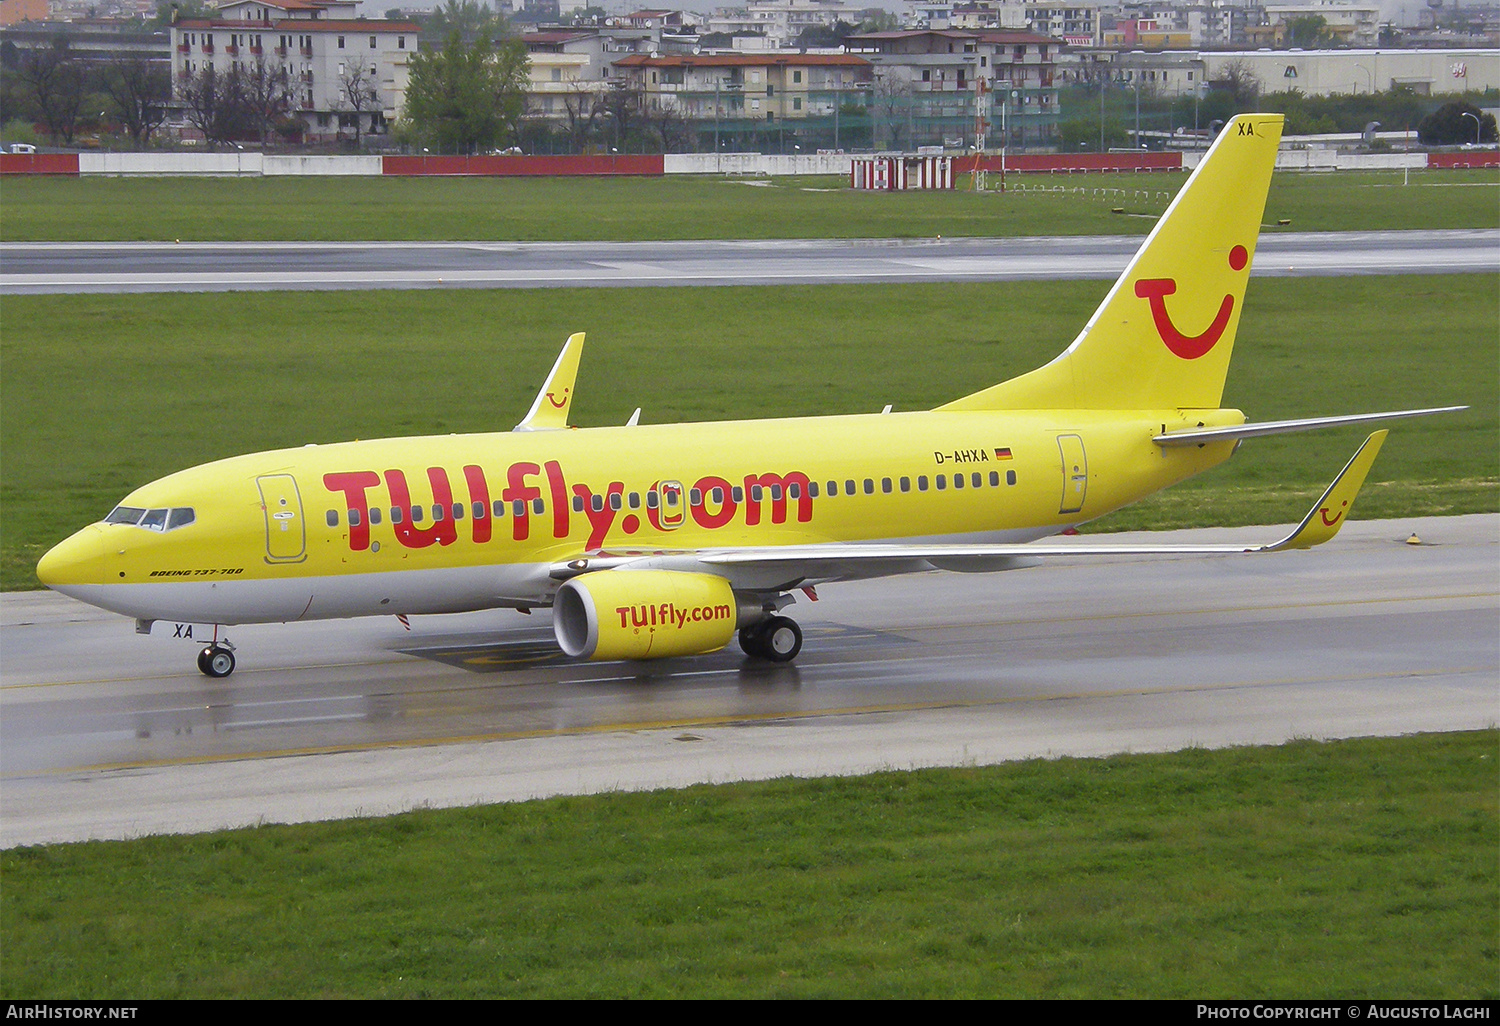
<point x="1329" y="513"/>
<point x="550" y="411"/>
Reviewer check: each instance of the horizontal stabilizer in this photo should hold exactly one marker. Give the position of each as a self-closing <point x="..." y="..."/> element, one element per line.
<point x="1284" y="427"/>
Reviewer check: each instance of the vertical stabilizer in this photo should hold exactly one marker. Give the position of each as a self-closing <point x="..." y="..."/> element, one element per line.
<point x="1163" y="336"/>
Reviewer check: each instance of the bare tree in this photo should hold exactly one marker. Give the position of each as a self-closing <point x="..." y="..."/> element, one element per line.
<point x="621" y="103"/>
<point x="213" y="104"/>
<point x="581" y="106"/>
<point x="264" y="91"/>
<point x="139" y="92"/>
<point x="667" y="122"/>
<point x="359" y="90"/>
<point x="51" y="82"/>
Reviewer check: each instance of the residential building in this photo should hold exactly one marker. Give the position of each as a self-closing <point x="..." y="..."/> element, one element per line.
<point x="928" y="85"/>
<point x="320" y="44"/>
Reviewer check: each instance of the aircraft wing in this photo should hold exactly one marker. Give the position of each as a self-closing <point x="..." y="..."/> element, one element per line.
<point x="794" y="565"/>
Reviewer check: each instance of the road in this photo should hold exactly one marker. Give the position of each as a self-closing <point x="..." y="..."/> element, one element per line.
<point x="83" y="267"/>
<point x="107" y="734"/>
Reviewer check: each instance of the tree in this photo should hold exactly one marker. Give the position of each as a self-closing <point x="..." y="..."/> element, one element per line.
<point x="1453" y="124"/>
<point x="1309" y="30"/>
<point x="358" y="90"/>
<point x="139" y="95"/>
<point x="621" y="104"/>
<point x="473" y="20"/>
<point x="212" y="104"/>
<point x="466" y="97"/>
<point x="582" y="108"/>
<point x="50" y="84"/>
<point x="264" y="91"/>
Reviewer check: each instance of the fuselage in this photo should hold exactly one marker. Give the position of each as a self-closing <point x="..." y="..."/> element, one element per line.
<point x="457" y="522"/>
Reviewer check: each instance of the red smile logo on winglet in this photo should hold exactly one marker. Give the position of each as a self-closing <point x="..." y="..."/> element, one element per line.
<point x="1188" y="347"/>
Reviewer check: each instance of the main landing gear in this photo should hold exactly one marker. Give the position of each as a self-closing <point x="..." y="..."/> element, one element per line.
<point x="217" y="660"/>
<point x="776" y="638"/>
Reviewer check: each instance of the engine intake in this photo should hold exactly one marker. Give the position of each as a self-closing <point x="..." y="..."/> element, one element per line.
<point x="644" y="614"/>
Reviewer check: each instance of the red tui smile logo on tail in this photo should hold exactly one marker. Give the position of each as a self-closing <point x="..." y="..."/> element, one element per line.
<point x="1188" y="347"/>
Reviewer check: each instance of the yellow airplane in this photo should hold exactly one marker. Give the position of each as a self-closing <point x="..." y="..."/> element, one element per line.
<point x="651" y="541"/>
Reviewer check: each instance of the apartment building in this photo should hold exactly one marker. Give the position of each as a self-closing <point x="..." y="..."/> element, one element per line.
<point x="320" y="43"/>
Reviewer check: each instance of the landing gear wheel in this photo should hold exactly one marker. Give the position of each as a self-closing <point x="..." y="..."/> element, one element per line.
<point x="216" y="661"/>
<point x="781" y="639"/>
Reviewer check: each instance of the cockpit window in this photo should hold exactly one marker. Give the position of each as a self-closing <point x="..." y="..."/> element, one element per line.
<point x="152" y="519"/>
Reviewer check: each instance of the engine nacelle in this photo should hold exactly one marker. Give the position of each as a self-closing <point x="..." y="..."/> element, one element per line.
<point x="644" y="614"/>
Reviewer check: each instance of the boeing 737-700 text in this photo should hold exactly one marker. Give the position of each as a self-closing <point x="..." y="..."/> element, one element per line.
<point x="650" y="541"/>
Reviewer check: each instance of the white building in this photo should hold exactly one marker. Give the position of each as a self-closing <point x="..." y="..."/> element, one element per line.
<point x="322" y="46"/>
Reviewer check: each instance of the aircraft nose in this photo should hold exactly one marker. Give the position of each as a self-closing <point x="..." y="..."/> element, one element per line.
<point x="78" y="559"/>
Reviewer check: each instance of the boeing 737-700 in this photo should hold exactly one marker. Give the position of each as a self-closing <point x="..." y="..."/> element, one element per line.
<point x="667" y="540"/>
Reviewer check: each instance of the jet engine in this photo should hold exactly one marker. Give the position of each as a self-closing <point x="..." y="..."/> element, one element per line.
<point x="646" y="614"/>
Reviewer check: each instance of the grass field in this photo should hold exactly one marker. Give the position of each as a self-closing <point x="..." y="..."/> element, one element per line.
<point x="1357" y="869"/>
<point x="682" y="207"/>
<point x="100" y="394"/>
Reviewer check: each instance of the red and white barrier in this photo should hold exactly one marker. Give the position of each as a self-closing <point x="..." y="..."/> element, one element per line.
<point x="898" y="174"/>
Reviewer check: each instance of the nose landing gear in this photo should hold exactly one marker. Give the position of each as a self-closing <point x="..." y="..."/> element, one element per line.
<point x="217" y="660"/>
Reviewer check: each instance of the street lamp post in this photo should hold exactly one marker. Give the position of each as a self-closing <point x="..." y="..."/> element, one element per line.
<point x="1477" y="125"/>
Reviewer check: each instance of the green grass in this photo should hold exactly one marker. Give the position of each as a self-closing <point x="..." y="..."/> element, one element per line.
<point x="678" y="207"/>
<point x="1357" y="869"/>
<point x="100" y="394"/>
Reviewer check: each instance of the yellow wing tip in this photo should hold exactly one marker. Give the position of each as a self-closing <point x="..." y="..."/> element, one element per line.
<point x="1331" y="511"/>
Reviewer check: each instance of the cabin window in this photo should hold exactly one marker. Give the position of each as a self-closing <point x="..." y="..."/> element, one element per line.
<point x="125" y="515"/>
<point x="597" y="502"/>
<point x="615" y="501"/>
<point x="458" y="511"/>
<point x="833" y="488"/>
<point x="717" y="494"/>
<point x="869" y="486"/>
<point x="906" y="484"/>
<point x="333" y="518"/>
<point x="958" y="480"/>
<point x="179" y="516"/>
<point x="794" y="490"/>
<point x="737" y="493"/>
<point x="922" y="483"/>
<point x="885" y="485"/>
<point x="354" y="518"/>
<point x="755" y="493"/>
<point x="498" y="507"/>
<point x="849" y="487"/>
<point x="776" y="493"/>
<point x="1010" y="477"/>
<point x="396" y="515"/>
<point x="437" y="512"/>
<point x="374" y="514"/>
<point x="416" y="514"/>
<point x="695" y="497"/>
<point x="941" y="480"/>
<point x="812" y="489"/>
<point x="538" y="506"/>
<point x="578" y="504"/>
<point x="635" y="500"/>
<point x="653" y="500"/>
<point x="155" y="519"/>
<point x="479" y="511"/>
<point x="519" y="507"/>
<point x="994" y="479"/>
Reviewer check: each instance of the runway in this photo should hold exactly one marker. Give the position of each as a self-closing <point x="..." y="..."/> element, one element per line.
<point x="107" y="734"/>
<point x="86" y="267"/>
